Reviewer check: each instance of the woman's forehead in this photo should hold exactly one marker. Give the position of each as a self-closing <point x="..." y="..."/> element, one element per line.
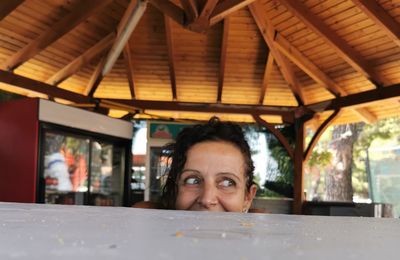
<point x="216" y="157"/>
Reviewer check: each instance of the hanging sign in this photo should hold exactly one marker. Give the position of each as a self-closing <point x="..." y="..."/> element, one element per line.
<point x="163" y="130"/>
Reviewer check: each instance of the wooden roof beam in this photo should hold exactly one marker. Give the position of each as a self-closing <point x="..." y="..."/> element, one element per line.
<point x="321" y="129"/>
<point x="208" y="8"/>
<point x="79" y="13"/>
<point x="38" y="86"/>
<point x="7" y="6"/>
<point x="341" y="47"/>
<point x="222" y="61"/>
<point x="283" y="64"/>
<point x="379" y="16"/>
<point x="304" y="63"/>
<point x="204" y="107"/>
<point x="291" y="52"/>
<point x="95" y="79"/>
<point x="357" y="100"/>
<point x="170" y="9"/>
<point x="202" y="22"/>
<point x="267" y="73"/>
<point x="190" y="9"/>
<point x="82" y="60"/>
<point x="313" y="123"/>
<point x="365" y="115"/>
<point x="226" y="8"/>
<point x="281" y="138"/>
<point x="128" y="23"/>
<point x="171" y="56"/>
<point x="129" y="69"/>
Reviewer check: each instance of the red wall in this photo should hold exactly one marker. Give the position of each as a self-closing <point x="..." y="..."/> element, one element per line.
<point x="18" y="150"/>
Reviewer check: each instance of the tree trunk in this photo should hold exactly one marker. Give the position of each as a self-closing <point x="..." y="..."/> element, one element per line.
<point x="338" y="179"/>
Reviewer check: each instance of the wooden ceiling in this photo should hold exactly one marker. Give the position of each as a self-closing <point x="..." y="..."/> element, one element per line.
<point x="191" y="59"/>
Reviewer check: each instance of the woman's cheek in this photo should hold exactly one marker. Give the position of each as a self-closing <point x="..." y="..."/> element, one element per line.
<point x="185" y="198"/>
<point x="232" y="202"/>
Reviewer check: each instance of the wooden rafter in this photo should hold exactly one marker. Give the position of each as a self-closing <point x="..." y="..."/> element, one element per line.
<point x="319" y="133"/>
<point x="360" y="99"/>
<point x="313" y="123"/>
<point x="205" y="107"/>
<point x="288" y="73"/>
<point x="171" y="59"/>
<point x="190" y="8"/>
<point x="377" y="14"/>
<point x="127" y="116"/>
<point x="304" y="63"/>
<point x="267" y="73"/>
<point x="341" y="47"/>
<point x="95" y="79"/>
<point x="283" y="64"/>
<point x="80" y="13"/>
<point x="292" y="53"/>
<point x="281" y="138"/>
<point x="130" y="19"/>
<point x="40" y="87"/>
<point x="226" y="8"/>
<point x="82" y="60"/>
<point x="201" y="23"/>
<point x="222" y="61"/>
<point x="129" y="69"/>
<point x="312" y="70"/>
<point x="357" y="100"/>
<point x="170" y="9"/>
<point x="127" y="25"/>
<point x="208" y="8"/>
<point x="365" y="115"/>
<point x="7" y="6"/>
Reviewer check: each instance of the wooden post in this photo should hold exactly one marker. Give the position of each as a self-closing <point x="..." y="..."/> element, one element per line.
<point x="298" y="185"/>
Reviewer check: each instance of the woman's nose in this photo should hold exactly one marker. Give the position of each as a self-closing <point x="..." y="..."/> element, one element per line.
<point x="208" y="196"/>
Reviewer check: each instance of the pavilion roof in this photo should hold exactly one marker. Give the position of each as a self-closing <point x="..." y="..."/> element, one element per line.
<point x="191" y="59"/>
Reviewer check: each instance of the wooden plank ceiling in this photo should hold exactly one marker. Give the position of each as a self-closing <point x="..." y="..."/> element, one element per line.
<point x="191" y="59"/>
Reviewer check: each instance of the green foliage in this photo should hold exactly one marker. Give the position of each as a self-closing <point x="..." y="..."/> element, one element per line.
<point x="281" y="179"/>
<point x="267" y="193"/>
<point x="279" y="153"/>
<point x="320" y="158"/>
<point x="381" y="130"/>
<point x="369" y="136"/>
<point x="372" y="135"/>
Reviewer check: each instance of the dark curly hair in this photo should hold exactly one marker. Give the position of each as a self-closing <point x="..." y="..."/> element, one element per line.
<point x="214" y="130"/>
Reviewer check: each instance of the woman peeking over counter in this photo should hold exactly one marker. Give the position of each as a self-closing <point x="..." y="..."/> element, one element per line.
<point x="210" y="169"/>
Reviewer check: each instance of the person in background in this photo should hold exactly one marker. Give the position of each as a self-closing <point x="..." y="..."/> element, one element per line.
<point x="55" y="167"/>
<point x="210" y="169"/>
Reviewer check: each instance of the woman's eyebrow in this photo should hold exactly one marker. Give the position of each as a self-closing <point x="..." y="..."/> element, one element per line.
<point x="232" y="175"/>
<point x="190" y="170"/>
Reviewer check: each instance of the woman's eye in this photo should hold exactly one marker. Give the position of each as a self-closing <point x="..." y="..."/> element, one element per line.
<point x="227" y="183"/>
<point x="192" y="181"/>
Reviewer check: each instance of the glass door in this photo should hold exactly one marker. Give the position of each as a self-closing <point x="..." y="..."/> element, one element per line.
<point x="107" y="174"/>
<point x="158" y="169"/>
<point x="65" y="169"/>
<point x="80" y="169"/>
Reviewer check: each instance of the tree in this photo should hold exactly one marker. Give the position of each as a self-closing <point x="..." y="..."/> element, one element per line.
<point x="338" y="179"/>
<point x="320" y="161"/>
<point x="385" y="129"/>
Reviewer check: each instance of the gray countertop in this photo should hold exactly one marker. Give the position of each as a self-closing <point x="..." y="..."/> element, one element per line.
<point x="37" y="231"/>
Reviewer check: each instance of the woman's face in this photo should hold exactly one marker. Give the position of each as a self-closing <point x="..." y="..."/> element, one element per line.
<point x="213" y="179"/>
